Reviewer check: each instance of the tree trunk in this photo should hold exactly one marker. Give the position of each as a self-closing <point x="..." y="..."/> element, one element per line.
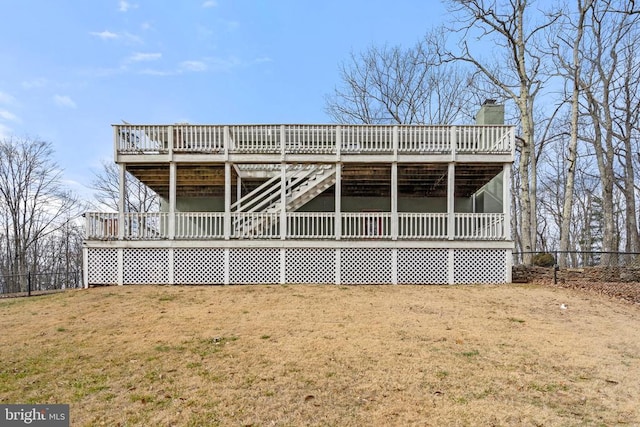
<point x="569" y="188"/>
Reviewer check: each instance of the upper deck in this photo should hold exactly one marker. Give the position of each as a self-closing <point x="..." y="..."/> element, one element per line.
<point x="313" y="143"/>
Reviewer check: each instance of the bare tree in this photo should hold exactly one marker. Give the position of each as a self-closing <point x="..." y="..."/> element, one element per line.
<point x="626" y="112"/>
<point x="391" y="85"/>
<point x="34" y="204"/>
<point x="137" y="198"/>
<point x="612" y="28"/>
<point x="57" y="258"/>
<point x="567" y="50"/>
<point x="516" y="69"/>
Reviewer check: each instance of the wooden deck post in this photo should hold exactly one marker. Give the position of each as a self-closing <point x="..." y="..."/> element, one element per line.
<point x="451" y="192"/>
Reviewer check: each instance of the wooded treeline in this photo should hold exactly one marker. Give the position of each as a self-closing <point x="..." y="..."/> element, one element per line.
<point x="41" y="220"/>
<point x="40" y="234"/>
<point x="569" y="76"/>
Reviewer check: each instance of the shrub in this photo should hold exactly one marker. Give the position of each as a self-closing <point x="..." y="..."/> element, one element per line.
<point x="544" y="260"/>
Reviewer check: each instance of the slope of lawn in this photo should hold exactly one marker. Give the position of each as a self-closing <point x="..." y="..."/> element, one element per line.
<point x="325" y="355"/>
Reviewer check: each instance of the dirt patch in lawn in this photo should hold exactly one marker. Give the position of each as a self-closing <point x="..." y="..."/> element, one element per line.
<point x="325" y="355"/>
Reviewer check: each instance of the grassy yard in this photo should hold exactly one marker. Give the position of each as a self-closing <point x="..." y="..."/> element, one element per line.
<point x="325" y="355"/>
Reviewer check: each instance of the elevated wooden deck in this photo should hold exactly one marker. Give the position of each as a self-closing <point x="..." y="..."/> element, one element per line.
<point x="343" y="204"/>
<point x="365" y="153"/>
<point x="315" y="142"/>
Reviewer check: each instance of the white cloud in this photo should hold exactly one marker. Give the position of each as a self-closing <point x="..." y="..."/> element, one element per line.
<point x="152" y="72"/>
<point x="141" y="57"/>
<point x="5" y="98"/>
<point x="125" y="36"/>
<point x="35" y="83"/>
<point x="193" y="66"/>
<point x="210" y="3"/>
<point x="64" y="101"/>
<point x="8" y="116"/>
<point x="124" y="6"/>
<point x="104" y="35"/>
<point x="207" y="64"/>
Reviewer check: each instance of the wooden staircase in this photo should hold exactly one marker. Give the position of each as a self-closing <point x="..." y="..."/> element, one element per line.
<point x="302" y="184"/>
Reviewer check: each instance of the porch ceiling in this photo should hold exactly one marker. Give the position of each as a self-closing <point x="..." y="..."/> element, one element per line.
<point x="471" y="177"/>
<point x="191" y="180"/>
<point x="366" y="179"/>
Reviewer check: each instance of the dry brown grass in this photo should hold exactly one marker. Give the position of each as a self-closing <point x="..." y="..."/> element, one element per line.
<point x="325" y="355"/>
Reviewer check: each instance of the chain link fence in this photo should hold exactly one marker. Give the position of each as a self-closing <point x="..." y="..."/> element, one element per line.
<point x="579" y="259"/>
<point x="38" y="283"/>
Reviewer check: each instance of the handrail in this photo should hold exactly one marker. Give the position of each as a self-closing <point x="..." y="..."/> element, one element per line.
<point x="199" y="225"/>
<point x="300" y="225"/>
<point x="314" y="139"/>
<point x="268" y="194"/>
<point x="242" y="202"/>
<point x="483" y="226"/>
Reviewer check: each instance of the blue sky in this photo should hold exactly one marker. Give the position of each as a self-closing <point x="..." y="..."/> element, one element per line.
<point x="71" y="68"/>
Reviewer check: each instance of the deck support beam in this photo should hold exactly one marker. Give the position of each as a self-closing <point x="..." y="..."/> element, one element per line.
<point x="122" y="189"/>
<point x="283" y="201"/>
<point x="338" y="189"/>
<point x="451" y="201"/>
<point x="451" y="274"/>
<point x="172" y="200"/>
<point x="227" y="201"/>
<point x="506" y="200"/>
<point x="506" y="206"/>
<point x="394" y="201"/>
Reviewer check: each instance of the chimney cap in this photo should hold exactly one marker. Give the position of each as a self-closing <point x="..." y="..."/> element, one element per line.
<point x="489" y="102"/>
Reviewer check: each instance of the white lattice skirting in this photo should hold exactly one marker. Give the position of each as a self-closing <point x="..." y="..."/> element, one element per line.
<point x="105" y="266"/>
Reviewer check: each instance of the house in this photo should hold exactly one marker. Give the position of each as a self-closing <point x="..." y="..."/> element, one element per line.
<point x="336" y="204"/>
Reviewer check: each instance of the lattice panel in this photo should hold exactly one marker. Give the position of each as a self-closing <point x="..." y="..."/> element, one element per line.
<point x="365" y="266"/>
<point x="479" y="266"/>
<point x="254" y="266"/>
<point x="310" y="265"/>
<point x="102" y="266"/>
<point x="422" y="266"/>
<point x="146" y="266"/>
<point x="196" y="266"/>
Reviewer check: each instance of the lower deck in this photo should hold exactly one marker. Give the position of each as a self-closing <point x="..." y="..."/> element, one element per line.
<point x="351" y="263"/>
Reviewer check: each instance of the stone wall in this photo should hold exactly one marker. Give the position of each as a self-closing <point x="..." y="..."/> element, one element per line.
<point x="529" y="274"/>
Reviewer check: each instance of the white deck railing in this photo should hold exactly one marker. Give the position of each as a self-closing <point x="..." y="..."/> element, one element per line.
<point x="199" y="225"/>
<point x="255" y="225"/>
<point x="365" y="225"/>
<point x="200" y="139"/>
<point x="311" y="225"/>
<point x="313" y="139"/>
<point x="425" y="139"/>
<point x="299" y="225"/>
<point x="136" y="226"/>
<point x="101" y="226"/>
<point x="478" y="226"/>
<point x="422" y="226"/>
